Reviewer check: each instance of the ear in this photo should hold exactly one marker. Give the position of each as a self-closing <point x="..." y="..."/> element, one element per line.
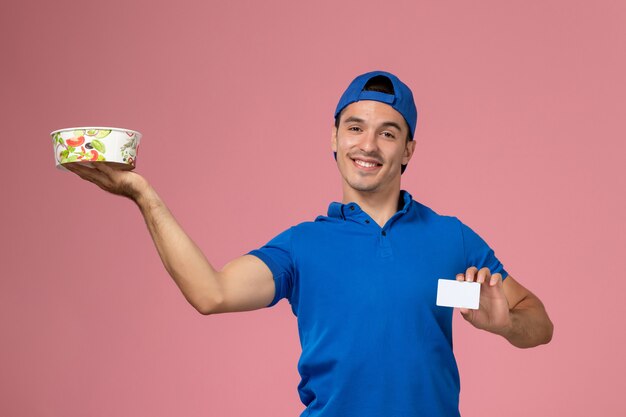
<point x="333" y="138"/>
<point x="408" y="151"/>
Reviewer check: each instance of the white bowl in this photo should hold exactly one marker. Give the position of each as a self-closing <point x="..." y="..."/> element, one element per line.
<point x="113" y="146"/>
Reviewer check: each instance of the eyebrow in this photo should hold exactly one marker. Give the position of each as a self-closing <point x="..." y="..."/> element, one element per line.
<point x="385" y="124"/>
<point x="354" y="119"/>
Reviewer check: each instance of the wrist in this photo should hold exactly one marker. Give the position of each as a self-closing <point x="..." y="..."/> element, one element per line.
<point x="506" y="329"/>
<point x="145" y="197"/>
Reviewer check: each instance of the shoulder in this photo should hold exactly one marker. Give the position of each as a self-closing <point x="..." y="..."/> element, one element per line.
<point x="430" y="216"/>
<point x="322" y="224"/>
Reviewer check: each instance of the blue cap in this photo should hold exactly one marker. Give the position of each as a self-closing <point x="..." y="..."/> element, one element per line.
<point x="401" y="99"/>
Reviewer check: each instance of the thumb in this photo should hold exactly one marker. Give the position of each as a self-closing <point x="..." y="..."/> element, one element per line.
<point x="466" y="313"/>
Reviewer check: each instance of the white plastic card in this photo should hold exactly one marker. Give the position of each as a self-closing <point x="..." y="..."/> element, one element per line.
<point x="452" y="293"/>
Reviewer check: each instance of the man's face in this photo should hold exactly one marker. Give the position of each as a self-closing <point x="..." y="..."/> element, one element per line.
<point x="371" y="145"/>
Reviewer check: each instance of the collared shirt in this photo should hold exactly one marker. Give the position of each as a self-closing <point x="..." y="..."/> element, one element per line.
<point x="373" y="341"/>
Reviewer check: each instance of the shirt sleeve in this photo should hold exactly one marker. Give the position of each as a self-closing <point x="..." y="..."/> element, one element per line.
<point x="479" y="254"/>
<point x="277" y="255"/>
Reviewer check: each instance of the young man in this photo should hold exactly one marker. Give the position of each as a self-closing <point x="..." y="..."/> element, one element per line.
<point x="362" y="281"/>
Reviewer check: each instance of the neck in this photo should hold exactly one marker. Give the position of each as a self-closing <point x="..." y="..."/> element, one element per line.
<point x="379" y="205"/>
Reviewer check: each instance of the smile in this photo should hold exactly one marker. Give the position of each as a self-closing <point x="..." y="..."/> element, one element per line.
<point x="367" y="165"/>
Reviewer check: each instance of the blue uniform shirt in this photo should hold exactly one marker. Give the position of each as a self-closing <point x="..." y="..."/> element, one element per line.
<point x="373" y="341"/>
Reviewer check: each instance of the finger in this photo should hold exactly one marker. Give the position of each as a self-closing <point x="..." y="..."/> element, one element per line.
<point x="78" y="169"/>
<point x="495" y="279"/>
<point x="70" y="167"/>
<point x="84" y="172"/>
<point x="113" y="175"/>
<point x="470" y="274"/>
<point x="105" y="171"/>
<point x="483" y="275"/>
<point x="103" y="167"/>
<point x="460" y="277"/>
<point x="89" y="174"/>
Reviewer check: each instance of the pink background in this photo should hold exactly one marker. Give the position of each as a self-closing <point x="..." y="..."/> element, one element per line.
<point x="520" y="134"/>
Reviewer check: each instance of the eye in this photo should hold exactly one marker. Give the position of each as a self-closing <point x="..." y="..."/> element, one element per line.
<point x="354" y="128"/>
<point x="389" y="135"/>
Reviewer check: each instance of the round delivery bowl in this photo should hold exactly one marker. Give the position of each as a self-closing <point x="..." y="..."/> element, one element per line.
<point x="113" y="146"/>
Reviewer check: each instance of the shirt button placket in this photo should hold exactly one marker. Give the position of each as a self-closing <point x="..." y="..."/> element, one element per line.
<point x="385" y="246"/>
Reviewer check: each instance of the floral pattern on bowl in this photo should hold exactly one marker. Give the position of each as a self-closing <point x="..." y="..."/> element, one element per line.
<point x="114" y="146"/>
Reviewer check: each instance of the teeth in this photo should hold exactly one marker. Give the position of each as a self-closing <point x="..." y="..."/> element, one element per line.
<point x="365" y="164"/>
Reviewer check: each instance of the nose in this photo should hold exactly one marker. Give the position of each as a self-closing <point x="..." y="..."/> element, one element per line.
<point x="369" y="142"/>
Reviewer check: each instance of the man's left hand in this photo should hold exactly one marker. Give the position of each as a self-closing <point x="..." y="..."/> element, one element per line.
<point x="493" y="312"/>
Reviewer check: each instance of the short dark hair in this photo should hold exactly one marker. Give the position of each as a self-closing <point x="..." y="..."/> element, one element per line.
<point x="381" y="84"/>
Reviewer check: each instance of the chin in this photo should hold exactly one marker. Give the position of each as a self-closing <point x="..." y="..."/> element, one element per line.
<point x="367" y="187"/>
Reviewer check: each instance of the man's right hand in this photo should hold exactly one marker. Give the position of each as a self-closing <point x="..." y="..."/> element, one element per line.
<point x="125" y="183"/>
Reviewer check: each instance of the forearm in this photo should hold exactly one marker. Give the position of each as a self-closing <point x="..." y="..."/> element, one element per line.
<point x="530" y="325"/>
<point x="182" y="258"/>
